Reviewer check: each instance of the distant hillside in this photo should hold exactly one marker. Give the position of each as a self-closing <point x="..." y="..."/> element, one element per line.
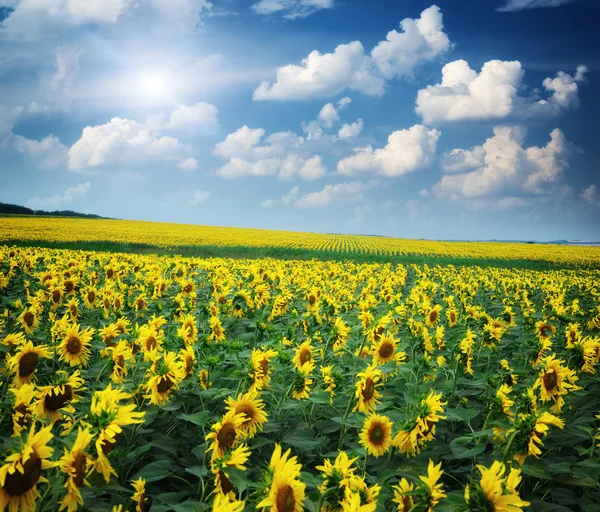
<point x="15" y="209"/>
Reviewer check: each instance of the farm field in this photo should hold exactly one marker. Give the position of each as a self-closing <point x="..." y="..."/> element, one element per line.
<point x="136" y="236"/>
<point x="162" y="382"/>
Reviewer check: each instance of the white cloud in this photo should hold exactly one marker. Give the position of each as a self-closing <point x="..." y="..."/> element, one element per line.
<point x="59" y="201"/>
<point x="405" y="152"/>
<point x="200" y="196"/>
<point x="329" y="115"/>
<point x="344" y="102"/>
<point x="122" y="142"/>
<point x="591" y="196"/>
<point x="420" y="40"/>
<point x="342" y="192"/>
<point x="464" y="94"/>
<point x="351" y="131"/>
<point x="460" y="160"/>
<point x="519" y="5"/>
<point x="35" y="19"/>
<point x="510" y="169"/>
<point x="239" y="142"/>
<point x="201" y="116"/>
<point x="238" y="167"/>
<point x="291" y="196"/>
<point x="291" y="9"/>
<point x="349" y="67"/>
<point x="49" y="151"/>
<point x="189" y="164"/>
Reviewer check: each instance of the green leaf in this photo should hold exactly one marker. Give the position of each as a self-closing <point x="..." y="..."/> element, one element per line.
<point x="465" y="447"/>
<point x="154" y="471"/>
<point x="199" y="471"/>
<point x="237" y="477"/>
<point x="198" y="418"/>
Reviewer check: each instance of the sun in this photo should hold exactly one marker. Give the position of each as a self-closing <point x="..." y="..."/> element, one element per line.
<point x="153" y="85"/>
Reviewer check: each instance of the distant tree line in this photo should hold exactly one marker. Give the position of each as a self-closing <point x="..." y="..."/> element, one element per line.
<point x="15" y="209"/>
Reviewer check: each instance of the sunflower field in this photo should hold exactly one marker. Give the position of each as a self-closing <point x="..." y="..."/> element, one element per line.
<point x="170" y="383"/>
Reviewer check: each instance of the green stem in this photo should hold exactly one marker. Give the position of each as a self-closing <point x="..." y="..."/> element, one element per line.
<point x="344" y="424"/>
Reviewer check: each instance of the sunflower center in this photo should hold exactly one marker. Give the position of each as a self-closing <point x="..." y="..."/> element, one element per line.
<point x="226" y="436"/>
<point x="187" y="288"/>
<point x="164" y="384"/>
<point x="18" y="483"/>
<point x="28" y="318"/>
<point x="28" y="364"/>
<point x="78" y="464"/>
<point x="376" y="435"/>
<point x="69" y="285"/>
<point x="108" y="446"/>
<point x="120" y="363"/>
<point x="452" y="316"/>
<point x="91" y="296"/>
<point x="226" y="485"/>
<point x="57" y="401"/>
<point x="150" y="343"/>
<point x="73" y="345"/>
<point x="23" y="411"/>
<point x="406" y="503"/>
<point x="312" y="299"/>
<point x="106" y="303"/>
<point x="433" y="316"/>
<point x="73" y="309"/>
<point x="139" y="304"/>
<point x="550" y="380"/>
<point x="189" y="365"/>
<point x="264" y="366"/>
<point x="305" y="357"/>
<point x="545" y="330"/>
<point x="117" y="303"/>
<point x="386" y="350"/>
<point x="109" y="273"/>
<point x="248" y="410"/>
<point x="285" y="500"/>
<point x="55" y="296"/>
<point x="377" y="334"/>
<point x="369" y="389"/>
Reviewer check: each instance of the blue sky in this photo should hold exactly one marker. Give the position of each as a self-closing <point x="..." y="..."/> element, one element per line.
<point x="454" y="120"/>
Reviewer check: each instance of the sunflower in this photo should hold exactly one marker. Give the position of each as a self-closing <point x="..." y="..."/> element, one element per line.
<point x="150" y="340"/>
<point x="384" y="351"/>
<point x="285" y="492"/>
<point x="29" y="319"/>
<point x="74" y="463"/>
<point x="555" y="380"/>
<point x="187" y="359"/>
<point x="505" y="401"/>
<point x="328" y="381"/>
<point x="544" y="330"/>
<point x="254" y="410"/>
<point x="120" y="354"/>
<point x="466" y="351"/>
<point x="352" y="503"/>
<point x="530" y="429"/>
<point x="224" y="504"/>
<point x="366" y="390"/>
<point x="260" y="373"/>
<point x="109" y="334"/>
<point x="188" y="331"/>
<point x="90" y="295"/>
<point x="57" y="396"/>
<point x="139" y="496"/>
<point x="22" y="471"/>
<point x="433" y="316"/>
<point x="235" y="458"/>
<point x="216" y="329"/>
<point x="73" y="309"/>
<point x="22" y="408"/>
<point x="301" y="387"/>
<point x="14" y="340"/>
<point x="376" y="435"/>
<point x="122" y="325"/>
<point x="452" y="317"/>
<point x="24" y="363"/>
<point x="107" y="417"/>
<point x="403" y="495"/>
<point x="225" y="434"/>
<point x="74" y="347"/>
<point x="435" y="492"/>
<point x="204" y="379"/>
<point x="341" y="331"/>
<point x="163" y="377"/>
<point x="496" y="492"/>
<point x="337" y="478"/>
<point x="303" y="359"/>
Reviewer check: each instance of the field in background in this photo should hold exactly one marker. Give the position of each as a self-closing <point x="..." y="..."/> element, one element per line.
<point x="138" y="236"/>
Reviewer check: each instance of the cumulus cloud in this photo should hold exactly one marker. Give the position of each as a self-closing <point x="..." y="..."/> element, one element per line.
<point x="464" y="94"/>
<point x="189" y="164"/>
<point x="200" y="196"/>
<point x="49" y="151"/>
<point x="506" y="167"/>
<point x="322" y="75"/>
<point x="342" y="192"/>
<point x="406" y="151"/>
<point x="351" y="131"/>
<point x="591" y="196"/>
<point x="460" y="160"/>
<point x="280" y="153"/>
<point x="329" y="115"/>
<point x="34" y="19"/>
<point x="59" y="201"/>
<point x="520" y="5"/>
<point x="200" y="117"/>
<point x="291" y="9"/>
<point x="122" y="142"/>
